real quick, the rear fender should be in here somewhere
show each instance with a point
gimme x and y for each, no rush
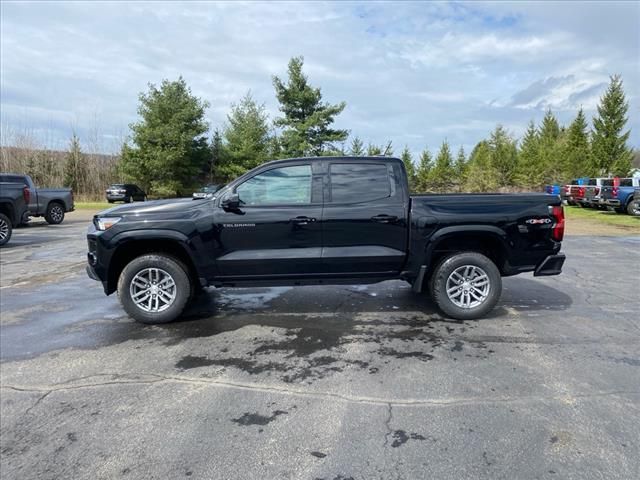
(483, 233)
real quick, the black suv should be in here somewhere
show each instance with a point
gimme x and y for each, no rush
(125, 192)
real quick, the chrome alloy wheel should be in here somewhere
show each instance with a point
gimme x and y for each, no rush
(468, 286)
(57, 214)
(4, 229)
(152, 290)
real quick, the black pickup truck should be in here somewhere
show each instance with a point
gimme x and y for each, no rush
(325, 220)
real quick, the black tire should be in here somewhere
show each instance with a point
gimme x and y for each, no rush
(54, 214)
(170, 266)
(110, 201)
(128, 199)
(632, 207)
(438, 285)
(6, 229)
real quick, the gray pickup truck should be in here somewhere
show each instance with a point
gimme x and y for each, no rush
(50, 203)
(14, 198)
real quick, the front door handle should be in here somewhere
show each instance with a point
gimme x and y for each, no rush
(385, 218)
(302, 220)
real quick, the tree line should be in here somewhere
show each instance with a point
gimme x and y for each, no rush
(171, 149)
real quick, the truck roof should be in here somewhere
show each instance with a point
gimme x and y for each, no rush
(337, 157)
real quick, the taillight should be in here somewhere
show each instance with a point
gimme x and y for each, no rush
(581, 191)
(558, 229)
(26, 193)
(597, 191)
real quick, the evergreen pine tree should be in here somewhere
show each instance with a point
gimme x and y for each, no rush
(170, 149)
(75, 167)
(504, 156)
(246, 139)
(307, 120)
(611, 154)
(529, 172)
(424, 171)
(441, 177)
(409, 167)
(357, 148)
(549, 161)
(481, 174)
(576, 156)
(460, 167)
(373, 150)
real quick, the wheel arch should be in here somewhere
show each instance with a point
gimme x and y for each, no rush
(487, 240)
(59, 201)
(9, 211)
(135, 246)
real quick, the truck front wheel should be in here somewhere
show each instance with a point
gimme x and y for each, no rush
(154, 288)
(466, 285)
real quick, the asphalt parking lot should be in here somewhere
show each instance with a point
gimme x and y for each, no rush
(361, 382)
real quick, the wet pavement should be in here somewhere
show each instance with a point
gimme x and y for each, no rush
(319, 382)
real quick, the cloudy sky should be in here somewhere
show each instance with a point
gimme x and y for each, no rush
(411, 72)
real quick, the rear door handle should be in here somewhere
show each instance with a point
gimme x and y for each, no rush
(302, 220)
(385, 218)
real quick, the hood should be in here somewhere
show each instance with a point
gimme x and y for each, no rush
(168, 206)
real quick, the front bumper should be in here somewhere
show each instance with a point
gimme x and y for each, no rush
(612, 202)
(551, 265)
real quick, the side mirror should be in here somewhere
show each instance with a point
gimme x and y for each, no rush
(232, 202)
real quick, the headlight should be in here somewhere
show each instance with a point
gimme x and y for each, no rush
(104, 223)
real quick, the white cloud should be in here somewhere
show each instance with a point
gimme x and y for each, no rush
(413, 73)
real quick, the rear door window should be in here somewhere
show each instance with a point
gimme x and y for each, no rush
(626, 182)
(358, 182)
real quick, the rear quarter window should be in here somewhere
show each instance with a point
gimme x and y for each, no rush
(626, 182)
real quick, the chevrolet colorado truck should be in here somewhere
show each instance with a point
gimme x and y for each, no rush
(14, 198)
(325, 220)
(50, 203)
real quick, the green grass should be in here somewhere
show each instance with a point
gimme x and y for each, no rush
(92, 205)
(602, 216)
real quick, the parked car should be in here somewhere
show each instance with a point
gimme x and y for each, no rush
(565, 192)
(621, 194)
(325, 220)
(576, 195)
(591, 197)
(125, 192)
(14, 204)
(206, 191)
(50, 203)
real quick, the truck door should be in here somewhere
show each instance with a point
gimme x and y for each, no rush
(276, 231)
(364, 217)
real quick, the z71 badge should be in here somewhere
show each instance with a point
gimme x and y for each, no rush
(538, 221)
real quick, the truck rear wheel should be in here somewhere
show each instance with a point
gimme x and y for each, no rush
(54, 214)
(633, 207)
(466, 285)
(5, 229)
(154, 288)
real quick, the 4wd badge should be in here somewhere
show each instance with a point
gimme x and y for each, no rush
(538, 221)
